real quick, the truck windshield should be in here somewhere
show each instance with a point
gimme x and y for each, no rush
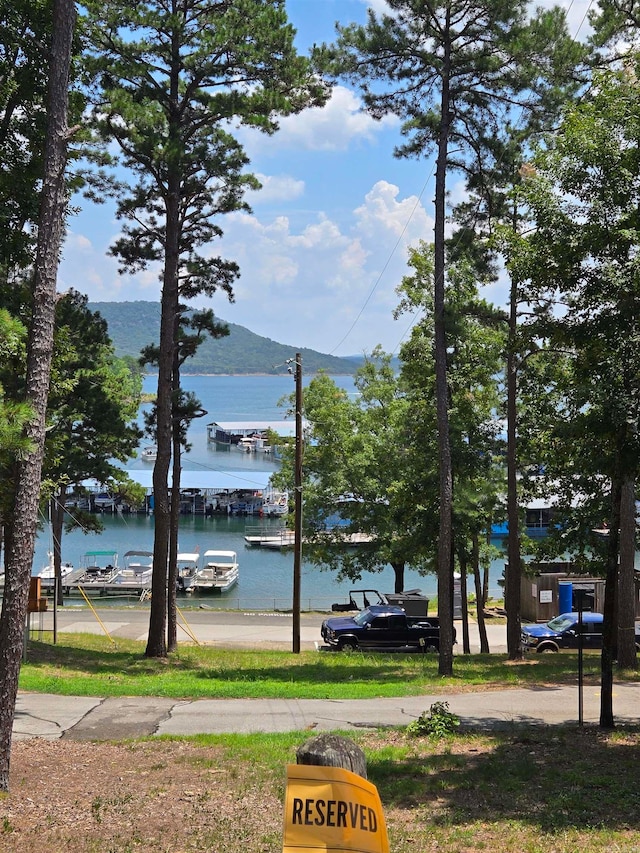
(560, 623)
(363, 618)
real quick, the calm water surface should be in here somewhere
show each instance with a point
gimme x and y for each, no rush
(265, 575)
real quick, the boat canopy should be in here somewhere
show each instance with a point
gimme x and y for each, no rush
(246, 428)
(209, 480)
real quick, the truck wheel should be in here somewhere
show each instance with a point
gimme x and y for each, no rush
(546, 647)
(348, 645)
(430, 648)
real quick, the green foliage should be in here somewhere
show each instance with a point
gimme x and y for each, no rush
(169, 84)
(355, 472)
(581, 193)
(475, 338)
(14, 414)
(438, 722)
(25, 28)
(93, 402)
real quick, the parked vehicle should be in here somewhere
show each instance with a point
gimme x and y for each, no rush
(359, 599)
(382, 627)
(411, 601)
(563, 632)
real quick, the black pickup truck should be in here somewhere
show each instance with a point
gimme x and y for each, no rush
(382, 627)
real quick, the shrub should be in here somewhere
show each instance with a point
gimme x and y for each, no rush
(438, 722)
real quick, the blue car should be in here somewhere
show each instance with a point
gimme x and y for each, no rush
(563, 632)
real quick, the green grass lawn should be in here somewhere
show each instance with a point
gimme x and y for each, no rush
(88, 665)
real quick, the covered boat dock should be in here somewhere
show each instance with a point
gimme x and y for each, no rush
(203, 492)
(228, 434)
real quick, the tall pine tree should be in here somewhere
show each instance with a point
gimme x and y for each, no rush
(172, 77)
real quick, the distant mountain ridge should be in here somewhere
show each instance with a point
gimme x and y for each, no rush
(134, 325)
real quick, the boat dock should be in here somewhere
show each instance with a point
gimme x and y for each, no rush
(249, 436)
(265, 537)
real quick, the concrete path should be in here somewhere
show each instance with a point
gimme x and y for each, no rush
(81, 718)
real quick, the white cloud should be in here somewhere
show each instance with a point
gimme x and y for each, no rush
(89, 269)
(406, 218)
(319, 284)
(275, 188)
(80, 243)
(333, 127)
(380, 7)
(309, 286)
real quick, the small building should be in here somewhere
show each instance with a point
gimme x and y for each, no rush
(552, 590)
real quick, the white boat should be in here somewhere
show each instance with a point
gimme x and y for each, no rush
(47, 574)
(255, 443)
(149, 454)
(136, 574)
(275, 503)
(188, 565)
(219, 572)
(103, 500)
(97, 568)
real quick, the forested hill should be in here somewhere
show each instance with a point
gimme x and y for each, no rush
(134, 325)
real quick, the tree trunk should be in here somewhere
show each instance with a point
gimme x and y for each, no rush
(445, 563)
(480, 604)
(513, 580)
(40, 349)
(156, 642)
(485, 584)
(464, 603)
(329, 750)
(626, 586)
(610, 604)
(172, 573)
(169, 319)
(398, 575)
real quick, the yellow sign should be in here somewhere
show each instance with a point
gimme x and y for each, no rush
(332, 810)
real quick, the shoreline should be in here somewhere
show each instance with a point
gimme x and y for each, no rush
(257, 375)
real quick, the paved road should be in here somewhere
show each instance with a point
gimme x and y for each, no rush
(87, 718)
(266, 629)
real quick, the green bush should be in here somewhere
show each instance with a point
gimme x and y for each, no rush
(438, 722)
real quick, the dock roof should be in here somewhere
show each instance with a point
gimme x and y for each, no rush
(282, 428)
(211, 480)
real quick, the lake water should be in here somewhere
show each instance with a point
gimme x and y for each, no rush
(266, 576)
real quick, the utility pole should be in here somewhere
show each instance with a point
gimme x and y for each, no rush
(297, 541)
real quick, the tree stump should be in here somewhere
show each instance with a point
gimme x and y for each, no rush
(333, 751)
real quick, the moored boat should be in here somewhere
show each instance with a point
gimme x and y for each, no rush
(219, 572)
(275, 503)
(188, 565)
(47, 572)
(97, 569)
(136, 574)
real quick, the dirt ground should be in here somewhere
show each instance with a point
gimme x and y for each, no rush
(154, 796)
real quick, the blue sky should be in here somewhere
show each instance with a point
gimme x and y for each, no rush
(326, 243)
